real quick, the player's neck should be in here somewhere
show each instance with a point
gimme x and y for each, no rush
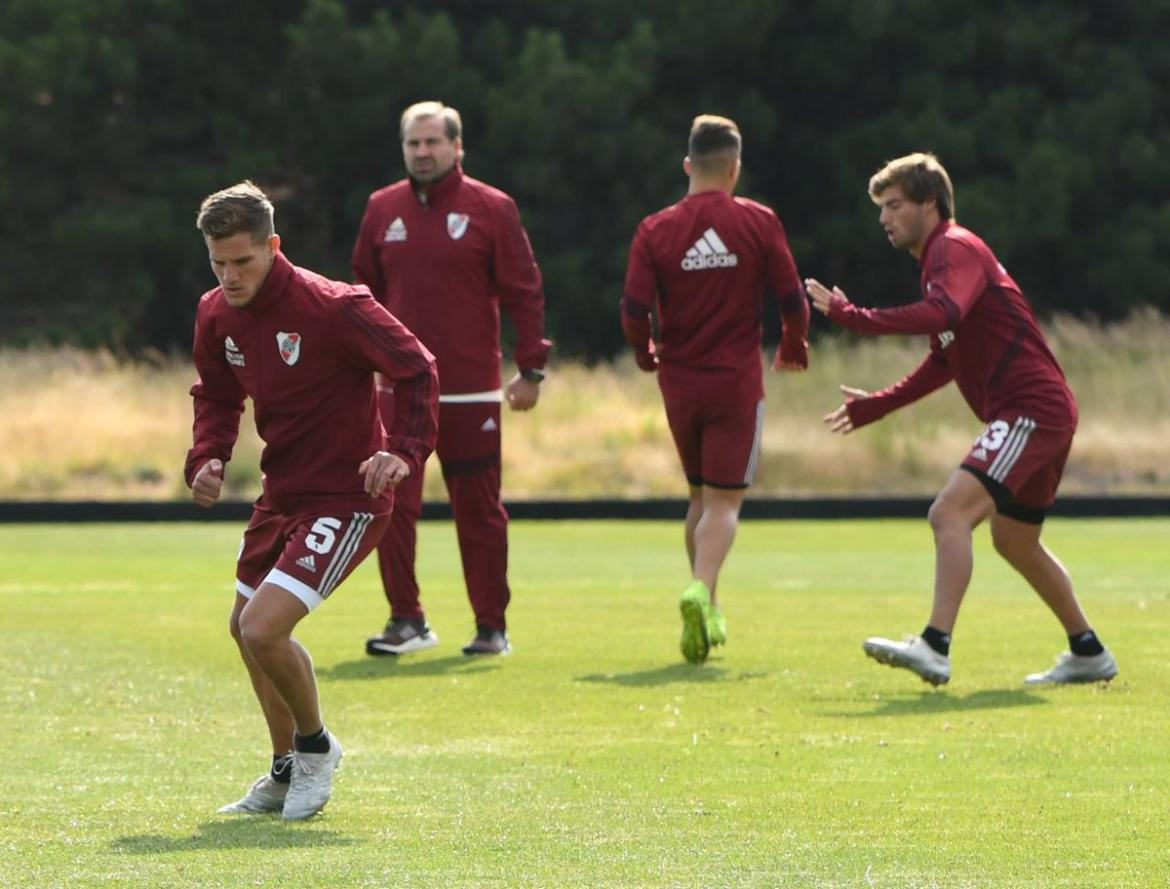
(932, 223)
(700, 186)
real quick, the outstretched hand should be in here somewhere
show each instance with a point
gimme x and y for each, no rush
(822, 297)
(383, 470)
(839, 420)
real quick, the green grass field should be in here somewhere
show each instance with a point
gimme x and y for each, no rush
(592, 756)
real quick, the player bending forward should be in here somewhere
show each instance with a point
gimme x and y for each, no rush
(984, 336)
(305, 349)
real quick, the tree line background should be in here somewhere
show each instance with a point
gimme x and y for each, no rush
(118, 117)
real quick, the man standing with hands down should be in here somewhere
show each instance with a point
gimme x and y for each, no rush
(305, 349)
(443, 251)
(984, 336)
(704, 264)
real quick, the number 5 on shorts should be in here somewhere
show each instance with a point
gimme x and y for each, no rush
(323, 534)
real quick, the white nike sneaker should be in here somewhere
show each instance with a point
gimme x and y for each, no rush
(265, 795)
(312, 781)
(1077, 668)
(914, 654)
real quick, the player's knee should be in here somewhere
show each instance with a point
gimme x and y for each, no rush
(941, 515)
(256, 634)
(945, 517)
(234, 628)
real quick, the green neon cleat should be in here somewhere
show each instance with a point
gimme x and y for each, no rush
(695, 608)
(716, 626)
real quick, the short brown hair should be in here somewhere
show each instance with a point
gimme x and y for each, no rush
(241, 208)
(452, 122)
(714, 141)
(921, 177)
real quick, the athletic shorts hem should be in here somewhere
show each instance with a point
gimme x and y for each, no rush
(309, 596)
(1005, 503)
(736, 486)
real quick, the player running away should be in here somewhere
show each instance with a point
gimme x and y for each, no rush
(704, 264)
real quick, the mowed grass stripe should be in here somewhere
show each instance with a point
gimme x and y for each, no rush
(592, 755)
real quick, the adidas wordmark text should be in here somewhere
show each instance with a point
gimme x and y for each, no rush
(709, 252)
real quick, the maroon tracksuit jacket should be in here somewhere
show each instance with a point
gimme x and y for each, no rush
(706, 263)
(444, 266)
(305, 349)
(983, 335)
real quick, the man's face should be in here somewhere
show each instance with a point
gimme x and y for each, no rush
(428, 152)
(907, 224)
(241, 265)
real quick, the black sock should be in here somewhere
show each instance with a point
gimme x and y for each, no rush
(281, 767)
(318, 742)
(1085, 644)
(938, 640)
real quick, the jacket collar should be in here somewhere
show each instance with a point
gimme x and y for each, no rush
(274, 285)
(939, 229)
(443, 190)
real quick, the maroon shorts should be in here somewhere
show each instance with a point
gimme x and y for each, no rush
(718, 443)
(1020, 463)
(306, 553)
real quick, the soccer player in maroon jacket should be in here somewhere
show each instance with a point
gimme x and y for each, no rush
(306, 350)
(704, 265)
(984, 336)
(443, 251)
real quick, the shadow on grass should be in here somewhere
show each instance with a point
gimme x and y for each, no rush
(390, 666)
(679, 672)
(256, 832)
(945, 702)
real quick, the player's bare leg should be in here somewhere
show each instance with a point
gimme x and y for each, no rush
(712, 517)
(266, 626)
(715, 532)
(1088, 660)
(1019, 543)
(959, 507)
(268, 792)
(694, 513)
(276, 713)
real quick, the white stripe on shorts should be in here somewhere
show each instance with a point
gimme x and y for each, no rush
(244, 590)
(302, 591)
(750, 475)
(1017, 439)
(345, 550)
(496, 395)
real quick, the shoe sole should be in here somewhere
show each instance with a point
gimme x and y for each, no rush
(894, 659)
(418, 643)
(234, 809)
(472, 652)
(695, 644)
(1088, 680)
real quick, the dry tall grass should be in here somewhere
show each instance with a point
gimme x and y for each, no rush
(82, 425)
